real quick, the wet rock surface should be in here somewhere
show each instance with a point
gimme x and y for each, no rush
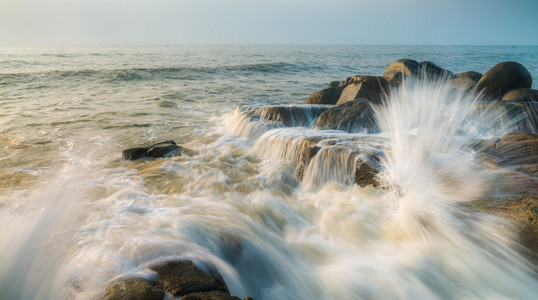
(502, 78)
(180, 278)
(184, 277)
(157, 150)
(133, 289)
(326, 96)
(400, 69)
(373, 88)
(353, 116)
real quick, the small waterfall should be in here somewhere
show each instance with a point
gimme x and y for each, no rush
(253, 121)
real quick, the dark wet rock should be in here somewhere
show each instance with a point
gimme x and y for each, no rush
(290, 116)
(399, 69)
(522, 211)
(466, 81)
(502, 78)
(329, 95)
(161, 149)
(333, 84)
(366, 172)
(373, 88)
(353, 116)
(305, 156)
(213, 295)
(434, 72)
(519, 151)
(184, 277)
(133, 289)
(521, 95)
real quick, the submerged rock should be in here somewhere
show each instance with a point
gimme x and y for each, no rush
(502, 78)
(353, 116)
(184, 277)
(400, 69)
(329, 95)
(373, 88)
(161, 149)
(133, 289)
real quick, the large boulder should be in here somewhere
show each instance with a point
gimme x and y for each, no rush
(161, 149)
(353, 116)
(502, 78)
(373, 88)
(466, 81)
(432, 71)
(525, 95)
(329, 95)
(183, 277)
(133, 289)
(400, 69)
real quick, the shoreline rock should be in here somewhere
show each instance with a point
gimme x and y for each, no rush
(180, 278)
(157, 150)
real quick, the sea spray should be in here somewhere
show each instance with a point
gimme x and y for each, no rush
(37, 235)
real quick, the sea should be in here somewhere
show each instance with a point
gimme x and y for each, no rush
(74, 215)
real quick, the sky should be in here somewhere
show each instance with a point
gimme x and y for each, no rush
(318, 22)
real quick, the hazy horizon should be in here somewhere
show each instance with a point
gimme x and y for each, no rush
(264, 22)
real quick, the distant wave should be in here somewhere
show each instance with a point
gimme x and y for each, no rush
(185, 73)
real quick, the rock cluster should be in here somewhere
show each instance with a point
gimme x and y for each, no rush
(348, 106)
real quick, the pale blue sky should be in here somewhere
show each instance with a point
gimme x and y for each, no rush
(422, 22)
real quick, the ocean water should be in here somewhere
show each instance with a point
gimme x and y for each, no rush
(74, 215)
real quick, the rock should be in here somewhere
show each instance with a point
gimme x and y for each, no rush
(432, 71)
(521, 95)
(366, 172)
(305, 156)
(514, 116)
(395, 73)
(213, 295)
(329, 95)
(516, 150)
(373, 88)
(353, 116)
(502, 78)
(333, 84)
(466, 81)
(161, 149)
(290, 116)
(184, 277)
(133, 289)
(522, 211)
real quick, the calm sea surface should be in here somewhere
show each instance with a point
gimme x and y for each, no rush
(73, 215)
